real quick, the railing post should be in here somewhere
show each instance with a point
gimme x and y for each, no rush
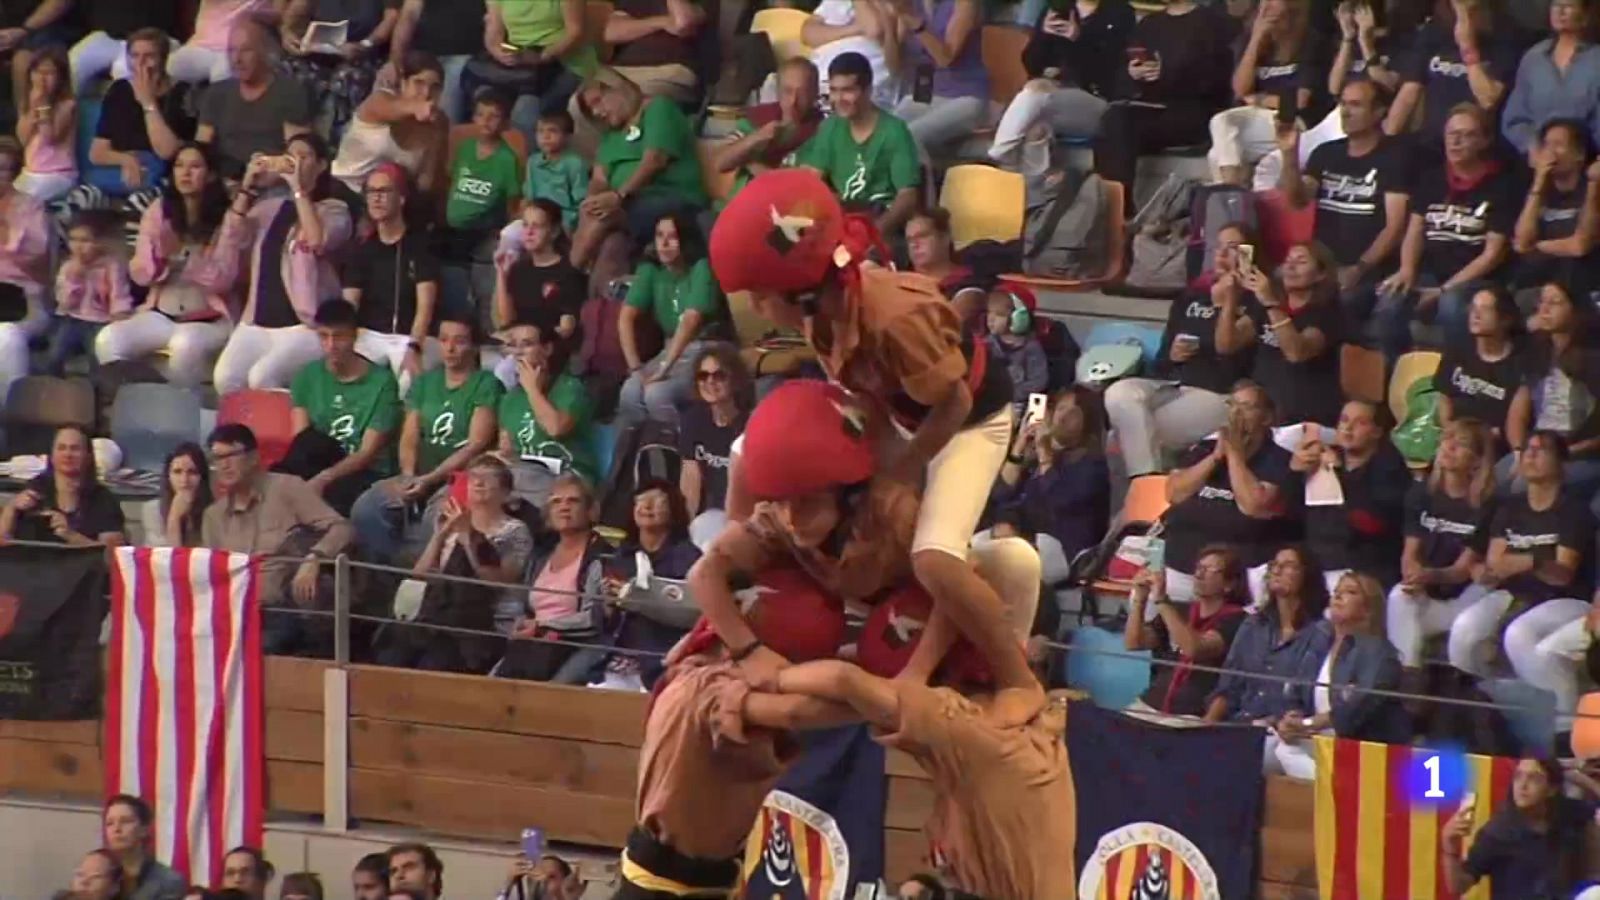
(336, 708)
(341, 609)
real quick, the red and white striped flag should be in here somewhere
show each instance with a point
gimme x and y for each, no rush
(183, 700)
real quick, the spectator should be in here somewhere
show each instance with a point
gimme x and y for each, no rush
(1333, 694)
(346, 411)
(473, 537)
(656, 43)
(1538, 568)
(535, 50)
(1200, 633)
(1372, 39)
(1177, 79)
(1055, 489)
(657, 545)
(338, 80)
(1276, 76)
(405, 127)
(675, 286)
(1073, 60)
(771, 135)
(145, 119)
(563, 601)
(369, 880)
(1227, 489)
(646, 167)
(555, 172)
(1459, 58)
(1012, 342)
(416, 867)
(1188, 398)
(450, 30)
(921, 886)
(449, 420)
(126, 834)
(300, 886)
(391, 278)
(1479, 381)
(539, 284)
(173, 519)
(1294, 323)
(1462, 215)
(1558, 78)
(724, 395)
(91, 292)
(245, 869)
(879, 173)
(943, 48)
(1560, 392)
(24, 265)
(182, 256)
(1532, 844)
(932, 252)
(485, 178)
(211, 54)
(293, 241)
(114, 26)
(254, 112)
(1362, 531)
(1447, 522)
(1555, 235)
(66, 503)
(28, 27)
(1271, 643)
(545, 415)
(869, 29)
(98, 877)
(1361, 190)
(273, 514)
(48, 129)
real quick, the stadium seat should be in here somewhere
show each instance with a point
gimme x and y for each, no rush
(149, 421)
(985, 203)
(267, 413)
(1145, 335)
(594, 24)
(782, 27)
(1407, 369)
(1361, 373)
(1281, 226)
(39, 404)
(1117, 244)
(1099, 664)
(719, 185)
(88, 124)
(1145, 504)
(1002, 56)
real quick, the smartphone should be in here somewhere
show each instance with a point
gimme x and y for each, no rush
(533, 844)
(1155, 557)
(1037, 403)
(1247, 257)
(1187, 340)
(458, 489)
(1139, 55)
(922, 86)
(510, 48)
(1288, 107)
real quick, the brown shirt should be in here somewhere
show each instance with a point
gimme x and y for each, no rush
(1005, 813)
(282, 516)
(877, 549)
(703, 773)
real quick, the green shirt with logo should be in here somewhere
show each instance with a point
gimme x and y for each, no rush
(481, 188)
(535, 24)
(667, 295)
(528, 437)
(347, 410)
(663, 127)
(866, 174)
(563, 180)
(445, 413)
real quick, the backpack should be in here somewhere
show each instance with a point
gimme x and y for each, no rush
(599, 361)
(1061, 351)
(1216, 206)
(1064, 234)
(1161, 238)
(645, 452)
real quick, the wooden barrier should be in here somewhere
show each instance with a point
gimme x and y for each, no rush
(472, 757)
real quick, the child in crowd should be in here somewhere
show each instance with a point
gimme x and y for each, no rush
(1012, 340)
(556, 173)
(47, 129)
(484, 175)
(91, 290)
(539, 284)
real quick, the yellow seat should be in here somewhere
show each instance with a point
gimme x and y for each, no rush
(985, 203)
(782, 28)
(1407, 369)
(1002, 56)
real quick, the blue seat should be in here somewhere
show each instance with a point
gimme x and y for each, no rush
(149, 421)
(1099, 664)
(88, 124)
(603, 437)
(1148, 337)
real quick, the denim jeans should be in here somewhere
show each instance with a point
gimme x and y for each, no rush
(70, 337)
(659, 400)
(109, 178)
(387, 528)
(1394, 312)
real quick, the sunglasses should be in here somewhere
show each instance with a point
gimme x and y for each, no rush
(711, 375)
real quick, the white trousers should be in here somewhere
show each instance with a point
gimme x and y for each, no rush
(1533, 659)
(191, 347)
(1065, 111)
(14, 338)
(1241, 136)
(1291, 758)
(263, 358)
(1151, 416)
(198, 65)
(46, 187)
(1413, 618)
(390, 349)
(95, 55)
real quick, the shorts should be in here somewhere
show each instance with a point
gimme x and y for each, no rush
(653, 871)
(951, 507)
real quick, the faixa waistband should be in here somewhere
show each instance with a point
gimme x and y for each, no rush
(649, 864)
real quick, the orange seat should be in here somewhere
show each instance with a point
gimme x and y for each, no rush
(1281, 225)
(1116, 259)
(1146, 502)
(1361, 374)
(267, 413)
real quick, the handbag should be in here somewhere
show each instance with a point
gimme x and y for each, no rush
(1136, 553)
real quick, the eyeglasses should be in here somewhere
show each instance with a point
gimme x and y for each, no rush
(711, 375)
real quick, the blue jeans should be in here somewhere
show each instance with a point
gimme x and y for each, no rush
(109, 178)
(1394, 312)
(453, 100)
(68, 338)
(386, 527)
(659, 400)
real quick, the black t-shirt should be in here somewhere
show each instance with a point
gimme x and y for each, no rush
(1093, 60)
(1363, 533)
(1350, 191)
(98, 512)
(1194, 316)
(1479, 389)
(450, 27)
(1196, 58)
(1180, 690)
(120, 18)
(1524, 864)
(700, 439)
(1567, 523)
(1457, 222)
(1435, 62)
(1302, 391)
(15, 12)
(1213, 516)
(1445, 526)
(544, 294)
(387, 276)
(1558, 219)
(122, 118)
(273, 307)
(1307, 69)
(1565, 393)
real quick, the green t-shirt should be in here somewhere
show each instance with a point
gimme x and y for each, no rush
(481, 189)
(529, 439)
(668, 295)
(868, 174)
(663, 127)
(446, 412)
(347, 410)
(563, 181)
(540, 23)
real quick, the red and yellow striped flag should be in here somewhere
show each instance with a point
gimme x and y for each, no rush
(1372, 843)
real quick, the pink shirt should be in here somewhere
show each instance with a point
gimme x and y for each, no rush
(93, 293)
(214, 270)
(24, 243)
(554, 592)
(308, 272)
(46, 157)
(216, 19)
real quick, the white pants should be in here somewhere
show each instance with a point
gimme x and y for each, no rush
(191, 347)
(1413, 618)
(1270, 168)
(390, 349)
(14, 338)
(1011, 566)
(198, 65)
(1151, 416)
(261, 358)
(945, 121)
(957, 488)
(46, 187)
(1525, 643)
(95, 55)
(1065, 111)
(1291, 758)
(1241, 136)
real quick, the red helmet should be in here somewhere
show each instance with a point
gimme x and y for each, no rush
(790, 614)
(777, 234)
(895, 626)
(806, 436)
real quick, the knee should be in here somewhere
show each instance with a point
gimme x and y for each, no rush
(1123, 397)
(934, 568)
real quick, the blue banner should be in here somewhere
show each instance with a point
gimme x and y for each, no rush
(820, 834)
(1162, 811)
